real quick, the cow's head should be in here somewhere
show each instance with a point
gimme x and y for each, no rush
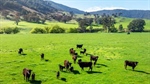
(80, 60)
(136, 63)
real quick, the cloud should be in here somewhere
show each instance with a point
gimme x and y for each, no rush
(96, 8)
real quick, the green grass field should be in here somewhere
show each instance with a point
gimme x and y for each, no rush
(112, 50)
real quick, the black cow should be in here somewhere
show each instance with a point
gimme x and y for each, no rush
(61, 67)
(58, 74)
(133, 64)
(26, 72)
(94, 58)
(85, 64)
(42, 56)
(82, 52)
(71, 69)
(74, 57)
(67, 64)
(33, 76)
(20, 51)
(79, 45)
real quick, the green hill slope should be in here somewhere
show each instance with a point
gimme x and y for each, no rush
(27, 26)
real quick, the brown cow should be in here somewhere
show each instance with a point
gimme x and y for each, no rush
(85, 64)
(67, 64)
(26, 73)
(74, 57)
(94, 58)
(133, 64)
(72, 51)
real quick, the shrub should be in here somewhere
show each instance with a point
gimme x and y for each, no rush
(73, 30)
(57, 29)
(113, 29)
(146, 30)
(8, 30)
(120, 29)
(47, 29)
(15, 30)
(38, 30)
(1, 30)
(96, 30)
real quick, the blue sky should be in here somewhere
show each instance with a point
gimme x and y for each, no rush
(94, 5)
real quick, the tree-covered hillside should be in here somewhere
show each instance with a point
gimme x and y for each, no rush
(126, 13)
(40, 6)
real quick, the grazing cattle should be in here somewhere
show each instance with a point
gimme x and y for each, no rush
(67, 64)
(72, 51)
(74, 57)
(26, 73)
(42, 56)
(85, 64)
(20, 51)
(79, 45)
(61, 67)
(58, 74)
(130, 63)
(33, 76)
(94, 58)
(82, 52)
(71, 69)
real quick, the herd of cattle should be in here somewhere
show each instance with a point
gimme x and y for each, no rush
(67, 64)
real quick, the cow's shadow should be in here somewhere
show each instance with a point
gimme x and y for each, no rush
(92, 72)
(79, 56)
(35, 82)
(47, 60)
(141, 71)
(76, 72)
(88, 54)
(100, 65)
(23, 54)
(64, 79)
(65, 71)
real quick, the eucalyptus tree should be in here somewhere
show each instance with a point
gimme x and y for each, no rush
(108, 22)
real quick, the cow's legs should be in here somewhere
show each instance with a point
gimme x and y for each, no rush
(82, 68)
(133, 68)
(90, 68)
(125, 66)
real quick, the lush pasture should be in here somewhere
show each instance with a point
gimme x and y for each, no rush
(112, 50)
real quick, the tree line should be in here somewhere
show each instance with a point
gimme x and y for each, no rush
(85, 23)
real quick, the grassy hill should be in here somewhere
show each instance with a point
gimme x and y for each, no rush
(26, 26)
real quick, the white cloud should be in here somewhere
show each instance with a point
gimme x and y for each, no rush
(96, 8)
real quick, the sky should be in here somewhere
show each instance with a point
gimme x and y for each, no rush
(95, 5)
